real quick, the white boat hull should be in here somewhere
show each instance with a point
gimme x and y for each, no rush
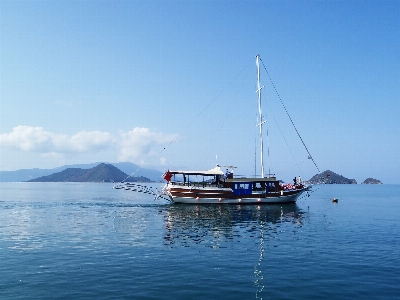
(253, 199)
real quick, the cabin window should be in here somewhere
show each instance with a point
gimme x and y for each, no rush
(242, 188)
(270, 187)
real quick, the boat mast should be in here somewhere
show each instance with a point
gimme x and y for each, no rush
(260, 118)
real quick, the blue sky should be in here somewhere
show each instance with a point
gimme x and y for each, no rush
(171, 84)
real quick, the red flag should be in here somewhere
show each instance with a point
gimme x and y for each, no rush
(167, 176)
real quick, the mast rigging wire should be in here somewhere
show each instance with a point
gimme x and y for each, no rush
(290, 118)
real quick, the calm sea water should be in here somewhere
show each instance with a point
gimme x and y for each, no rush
(88, 241)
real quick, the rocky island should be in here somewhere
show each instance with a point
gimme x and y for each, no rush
(371, 181)
(329, 177)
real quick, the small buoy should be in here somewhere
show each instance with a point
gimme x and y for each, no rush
(198, 198)
(220, 199)
(335, 200)
(259, 200)
(240, 200)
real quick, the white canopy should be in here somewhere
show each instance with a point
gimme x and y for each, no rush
(212, 172)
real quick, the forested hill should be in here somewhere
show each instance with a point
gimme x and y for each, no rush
(127, 167)
(330, 177)
(101, 173)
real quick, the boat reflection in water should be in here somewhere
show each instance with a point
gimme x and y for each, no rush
(232, 228)
(211, 224)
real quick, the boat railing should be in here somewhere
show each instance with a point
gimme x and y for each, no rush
(199, 184)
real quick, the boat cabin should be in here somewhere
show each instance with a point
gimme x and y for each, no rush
(216, 178)
(246, 186)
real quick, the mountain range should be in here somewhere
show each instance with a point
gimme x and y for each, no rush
(126, 167)
(119, 171)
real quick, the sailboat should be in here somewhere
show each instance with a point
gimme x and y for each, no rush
(214, 186)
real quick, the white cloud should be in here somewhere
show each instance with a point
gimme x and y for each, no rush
(36, 139)
(52, 155)
(141, 143)
(138, 145)
(27, 138)
(85, 141)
